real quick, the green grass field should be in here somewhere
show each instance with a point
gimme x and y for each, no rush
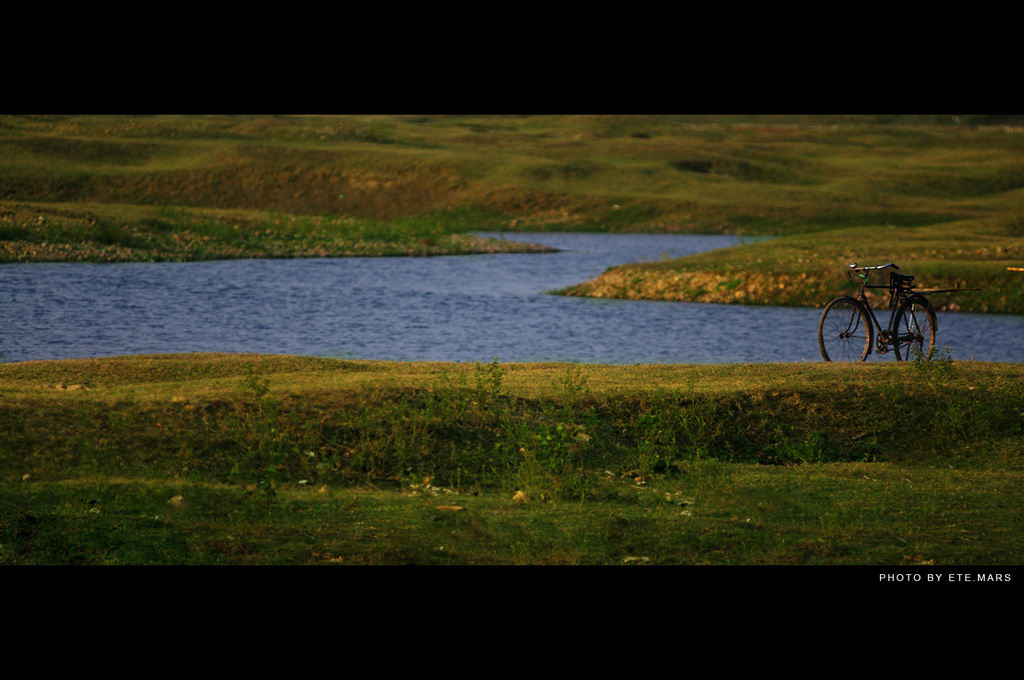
(245, 459)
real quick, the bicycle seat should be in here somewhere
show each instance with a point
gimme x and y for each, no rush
(901, 279)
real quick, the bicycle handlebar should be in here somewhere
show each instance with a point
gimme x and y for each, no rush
(854, 267)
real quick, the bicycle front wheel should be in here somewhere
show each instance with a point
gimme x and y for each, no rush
(915, 330)
(844, 332)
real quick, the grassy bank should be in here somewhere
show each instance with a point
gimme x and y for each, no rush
(809, 270)
(246, 459)
(130, 233)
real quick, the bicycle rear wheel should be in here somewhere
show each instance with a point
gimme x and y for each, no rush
(915, 330)
(844, 332)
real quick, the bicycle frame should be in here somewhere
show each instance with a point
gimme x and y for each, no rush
(899, 290)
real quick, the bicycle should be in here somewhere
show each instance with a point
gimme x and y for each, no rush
(846, 331)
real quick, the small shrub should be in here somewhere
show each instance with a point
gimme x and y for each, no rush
(692, 165)
(942, 366)
(488, 382)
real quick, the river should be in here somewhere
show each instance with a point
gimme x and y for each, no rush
(459, 308)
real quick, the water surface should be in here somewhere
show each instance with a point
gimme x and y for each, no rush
(459, 308)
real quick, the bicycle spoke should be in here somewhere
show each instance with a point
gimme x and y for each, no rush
(843, 334)
(915, 331)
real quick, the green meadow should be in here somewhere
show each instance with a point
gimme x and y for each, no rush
(247, 459)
